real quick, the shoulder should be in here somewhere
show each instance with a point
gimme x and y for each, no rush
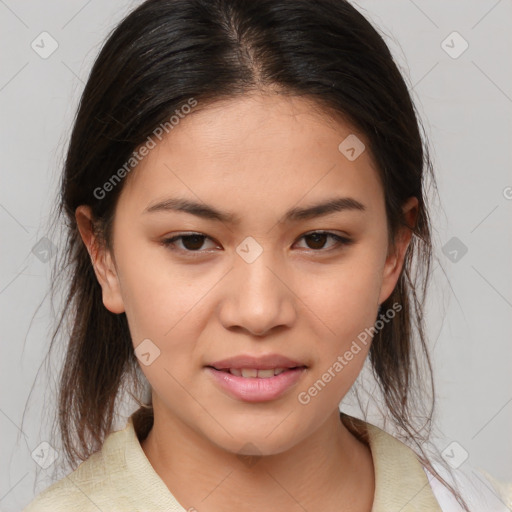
(400, 474)
(91, 486)
(118, 478)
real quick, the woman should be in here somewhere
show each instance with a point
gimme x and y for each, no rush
(244, 191)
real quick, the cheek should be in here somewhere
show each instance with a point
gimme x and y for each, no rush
(164, 316)
(347, 304)
(348, 299)
(158, 296)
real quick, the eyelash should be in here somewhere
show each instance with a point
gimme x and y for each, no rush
(169, 242)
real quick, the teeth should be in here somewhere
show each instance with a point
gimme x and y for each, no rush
(253, 372)
(265, 374)
(249, 372)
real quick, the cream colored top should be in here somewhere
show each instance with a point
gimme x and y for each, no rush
(120, 478)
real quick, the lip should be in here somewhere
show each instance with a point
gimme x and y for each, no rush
(264, 362)
(256, 389)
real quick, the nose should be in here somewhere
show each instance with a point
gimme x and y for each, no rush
(258, 297)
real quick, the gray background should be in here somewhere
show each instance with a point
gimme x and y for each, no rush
(466, 103)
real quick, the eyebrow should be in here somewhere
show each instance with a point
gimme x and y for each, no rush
(296, 214)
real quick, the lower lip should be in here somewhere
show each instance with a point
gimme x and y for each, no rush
(256, 389)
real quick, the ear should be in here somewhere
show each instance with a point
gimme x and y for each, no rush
(396, 254)
(102, 261)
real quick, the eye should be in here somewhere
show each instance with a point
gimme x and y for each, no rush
(316, 240)
(192, 242)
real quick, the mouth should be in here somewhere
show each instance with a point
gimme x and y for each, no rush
(256, 384)
(256, 373)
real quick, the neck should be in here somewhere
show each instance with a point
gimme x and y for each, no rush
(328, 469)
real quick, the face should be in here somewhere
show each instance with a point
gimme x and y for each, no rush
(255, 272)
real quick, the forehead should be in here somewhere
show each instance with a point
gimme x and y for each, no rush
(258, 150)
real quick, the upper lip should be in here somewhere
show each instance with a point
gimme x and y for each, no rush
(264, 362)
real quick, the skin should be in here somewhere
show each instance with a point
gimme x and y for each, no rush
(256, 156)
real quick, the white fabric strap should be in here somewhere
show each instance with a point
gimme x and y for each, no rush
(481, 492)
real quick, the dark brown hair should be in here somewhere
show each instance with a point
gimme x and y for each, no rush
(168, 51)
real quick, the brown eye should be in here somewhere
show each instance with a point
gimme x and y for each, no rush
(317, 240)
(190, 242)
(193, 242)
